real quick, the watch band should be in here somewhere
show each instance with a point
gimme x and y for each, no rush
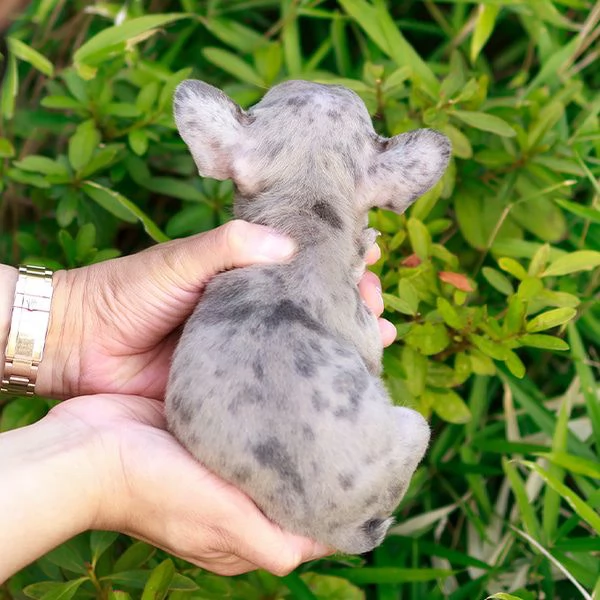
(28, 329)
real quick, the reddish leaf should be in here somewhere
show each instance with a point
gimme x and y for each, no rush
(458, 280)
(411, 261)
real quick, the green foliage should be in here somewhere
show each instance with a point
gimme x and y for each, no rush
(482, 277)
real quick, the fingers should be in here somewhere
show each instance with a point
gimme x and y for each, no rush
(235, 244)
(278, 552)
(388, 332)
(370, 290)
(373, 254)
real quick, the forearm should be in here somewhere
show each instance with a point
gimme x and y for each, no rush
(8, 282)
(48, 494)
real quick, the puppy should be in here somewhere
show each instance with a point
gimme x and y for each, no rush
(275, 382)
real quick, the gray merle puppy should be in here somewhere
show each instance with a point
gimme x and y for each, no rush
(275, 383)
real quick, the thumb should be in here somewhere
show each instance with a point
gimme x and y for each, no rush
(236, 244)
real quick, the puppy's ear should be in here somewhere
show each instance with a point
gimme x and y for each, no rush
(406, 166)
(211, 124)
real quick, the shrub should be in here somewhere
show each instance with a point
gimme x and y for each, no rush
(491, 277)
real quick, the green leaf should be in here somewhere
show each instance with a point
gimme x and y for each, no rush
(53, 590)
(515, 315)
(66, 209)
(544, 342)
(134, 557)
(158, 583)
(398, 304)
(515, 364)
(485, 122)
(582, 508)
(550, 319)
(380, 27)
(234, 34)
(498, 280)
(61, 102)
(234, 65)
(415, 367)
(29, 55)
(448, 405)
(504, 596)
(449, 314)
(41, 164)
(121, 109)
(83, 144)
(268, 60)
(492, 348)
(585, 212)
(428, 338)
(10, 88)
(147, 97)
(381, 575)
(7, 150)
(22, 412)
(68, 557)
(530, 288)
(486, 19)
(581, 260)
(510, 265)
(408, 293)
(539, 260)
(100, 541)
(420, 238)
(589, 387)
(526, 509)
(575, 464)
(332, 588)
(125, 32)
(138, 141)
(122, 208)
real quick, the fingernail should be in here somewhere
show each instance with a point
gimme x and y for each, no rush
(275, 246)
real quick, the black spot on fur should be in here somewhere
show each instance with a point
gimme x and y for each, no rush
(297, 101)
(334, 114)
(242, 475)
(342, 351)
(275, 149)
(185, 413)
(273, 455)
(346, 481)
(372, 529)
(230, 303)
(176, 402)
(351, 384)
(317, 348)
(319, 403)
(287, 312)
(308, 433)
(258, 369)
(325, 212)
(304, 360)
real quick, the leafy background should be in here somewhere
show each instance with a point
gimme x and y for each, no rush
(492, 277)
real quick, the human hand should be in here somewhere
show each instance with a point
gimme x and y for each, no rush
(107, 462)
(114, 325)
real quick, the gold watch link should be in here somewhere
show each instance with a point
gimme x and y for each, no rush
(28, 329)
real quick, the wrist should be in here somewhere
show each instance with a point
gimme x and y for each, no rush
(58, 370)
(54, 491)
(8, 284)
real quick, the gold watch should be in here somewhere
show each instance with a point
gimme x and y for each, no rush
(28, 329)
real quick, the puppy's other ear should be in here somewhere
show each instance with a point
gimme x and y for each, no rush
(211, 124)
(406, 167)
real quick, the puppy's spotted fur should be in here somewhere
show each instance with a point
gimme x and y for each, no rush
(275, 382)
